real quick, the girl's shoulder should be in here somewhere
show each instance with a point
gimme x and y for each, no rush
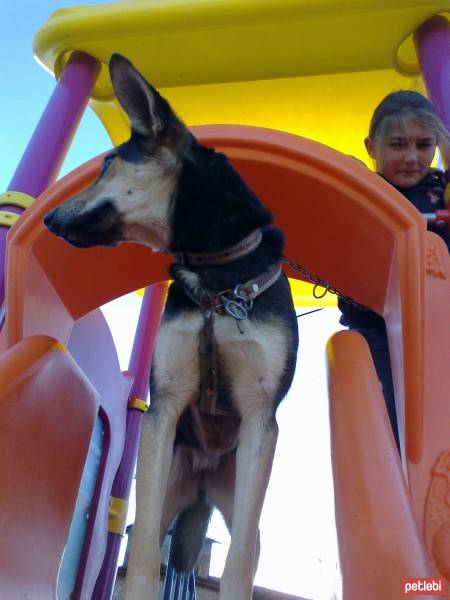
(437, 177)
(436, 180)
(440, 182)
(428, 194)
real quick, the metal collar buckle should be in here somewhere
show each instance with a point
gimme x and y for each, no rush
(235, 303)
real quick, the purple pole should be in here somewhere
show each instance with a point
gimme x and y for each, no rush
(432, 41)
(139, 367)
(51, 139)
(50, 142)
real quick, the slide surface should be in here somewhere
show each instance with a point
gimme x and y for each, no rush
(47, 413)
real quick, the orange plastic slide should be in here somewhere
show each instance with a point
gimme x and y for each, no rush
(388, 525)
(350, 228)
(47, 412)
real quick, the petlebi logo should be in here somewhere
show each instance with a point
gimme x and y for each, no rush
(423, 586)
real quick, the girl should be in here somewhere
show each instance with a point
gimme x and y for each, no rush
(404, 133)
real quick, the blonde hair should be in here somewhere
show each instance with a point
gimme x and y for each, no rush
(400, 107)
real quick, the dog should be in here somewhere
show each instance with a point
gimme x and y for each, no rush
(226, 349)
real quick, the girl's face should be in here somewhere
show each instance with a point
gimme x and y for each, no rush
(404, 156)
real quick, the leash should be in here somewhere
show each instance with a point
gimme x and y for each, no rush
(321, 283)
(309, 312)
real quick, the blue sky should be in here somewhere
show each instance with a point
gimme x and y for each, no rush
(26, 88)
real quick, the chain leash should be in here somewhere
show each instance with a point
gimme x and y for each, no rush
(321, 283)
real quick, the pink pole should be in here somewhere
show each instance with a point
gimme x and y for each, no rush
(51, 139)
(139, 367)
(432, 41)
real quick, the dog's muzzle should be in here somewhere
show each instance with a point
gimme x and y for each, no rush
(98, 226)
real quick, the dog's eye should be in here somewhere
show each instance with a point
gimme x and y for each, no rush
(106, 163)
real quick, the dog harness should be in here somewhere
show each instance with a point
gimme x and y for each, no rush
(236, 302)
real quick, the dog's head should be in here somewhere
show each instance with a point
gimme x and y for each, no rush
(131, 198)
(161, 188)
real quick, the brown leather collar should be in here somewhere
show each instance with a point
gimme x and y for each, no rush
(216, 259)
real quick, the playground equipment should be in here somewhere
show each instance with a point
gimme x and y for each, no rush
(252, 63)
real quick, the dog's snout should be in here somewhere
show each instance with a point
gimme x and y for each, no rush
(102, 214)
(83, 225)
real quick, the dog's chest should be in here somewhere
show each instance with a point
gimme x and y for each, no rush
(240, 350)
(249, 364)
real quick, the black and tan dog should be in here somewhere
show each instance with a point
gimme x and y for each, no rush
(226, 350)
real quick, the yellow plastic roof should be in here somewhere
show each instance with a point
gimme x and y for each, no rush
(312, 67)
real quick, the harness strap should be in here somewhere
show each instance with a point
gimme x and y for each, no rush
(237, 304)
(207, 350)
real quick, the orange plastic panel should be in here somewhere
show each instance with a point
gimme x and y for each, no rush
(47, 413)
(343, 223)
(429, 480)
(379, 541)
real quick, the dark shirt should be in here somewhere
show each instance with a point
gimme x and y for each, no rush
(427, 196)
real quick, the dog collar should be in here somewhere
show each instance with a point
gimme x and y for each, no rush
(216, 259)
(238, 301)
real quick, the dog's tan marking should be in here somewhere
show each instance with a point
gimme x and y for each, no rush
(253, 364)
(176, 362)
(191, 279)
(142, 198)
(253, 467)
(182, 489)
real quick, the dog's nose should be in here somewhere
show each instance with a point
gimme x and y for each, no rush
(48, 219)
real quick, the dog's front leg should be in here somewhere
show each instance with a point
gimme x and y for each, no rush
(258, 436)
(154, 462)
(175, 378)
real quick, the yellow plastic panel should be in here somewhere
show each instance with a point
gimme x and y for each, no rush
(203, 41)
(315, 68)
(332, 109)
(303, 294)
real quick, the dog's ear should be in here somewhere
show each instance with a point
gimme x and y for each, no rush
(150, 114)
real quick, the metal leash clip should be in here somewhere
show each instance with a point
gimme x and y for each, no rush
(235, 304)
(242, 296)
(236, 309)
(238, 306)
